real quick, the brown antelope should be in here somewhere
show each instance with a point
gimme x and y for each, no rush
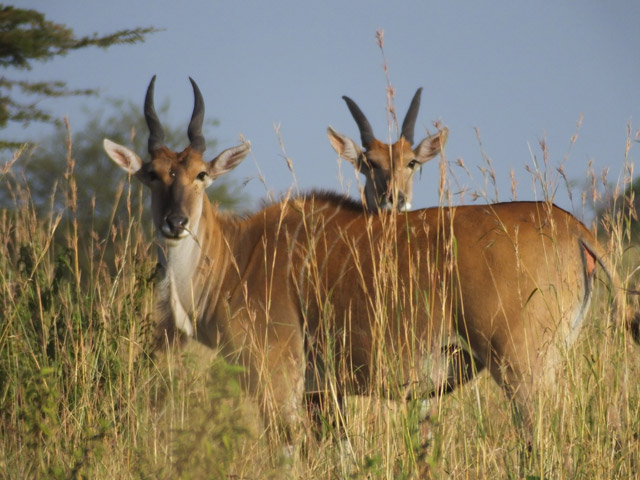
(382, 297)
(388, 169)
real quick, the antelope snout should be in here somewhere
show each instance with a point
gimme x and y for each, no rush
(398, 202)
(175, 226)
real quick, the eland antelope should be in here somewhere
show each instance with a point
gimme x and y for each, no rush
(418, 301)
(388, 169)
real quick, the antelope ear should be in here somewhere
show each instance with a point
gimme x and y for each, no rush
(126, 159)
(228, 159)
(345, 147)
(431, 146)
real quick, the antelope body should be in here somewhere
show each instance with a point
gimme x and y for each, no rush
(414, 299)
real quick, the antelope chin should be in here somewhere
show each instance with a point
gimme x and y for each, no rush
(172, 236)
(406, 207)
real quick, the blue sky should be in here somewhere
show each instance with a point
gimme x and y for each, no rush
(517, 72)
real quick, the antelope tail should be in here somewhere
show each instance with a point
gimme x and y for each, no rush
(618, 293)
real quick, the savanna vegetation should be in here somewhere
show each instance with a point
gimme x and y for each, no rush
(84, 395)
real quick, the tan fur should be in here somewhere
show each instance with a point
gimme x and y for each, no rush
(407, 301)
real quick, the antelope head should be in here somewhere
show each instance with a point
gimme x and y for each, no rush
(177, 180)
(388, 169)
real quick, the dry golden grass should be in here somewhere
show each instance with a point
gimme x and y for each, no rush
(81, 396)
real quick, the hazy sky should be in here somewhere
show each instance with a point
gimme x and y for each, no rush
(517, 71)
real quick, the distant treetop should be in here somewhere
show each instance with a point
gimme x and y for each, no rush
(26, 36)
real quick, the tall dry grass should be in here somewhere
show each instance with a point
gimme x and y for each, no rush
(82, 396)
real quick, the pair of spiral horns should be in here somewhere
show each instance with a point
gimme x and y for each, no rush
(156, 132)
(197, 141)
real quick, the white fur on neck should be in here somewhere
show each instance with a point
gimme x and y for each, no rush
(180, 316)
(181, 266)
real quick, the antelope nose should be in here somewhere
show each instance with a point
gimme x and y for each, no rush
(398, 202)
(176, 225)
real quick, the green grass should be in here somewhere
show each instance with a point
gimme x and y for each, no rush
(81, 395)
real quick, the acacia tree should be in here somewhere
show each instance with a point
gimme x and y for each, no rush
(26, 36)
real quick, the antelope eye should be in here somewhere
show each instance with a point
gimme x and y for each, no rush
(202, 176)
(412, 164)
